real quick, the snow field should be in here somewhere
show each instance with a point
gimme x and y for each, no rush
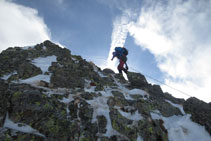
(43, 63)
(182, 128)
(21, 127)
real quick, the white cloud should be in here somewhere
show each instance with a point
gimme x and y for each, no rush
(20, 26)
(120, 25)
(118, 38)
(178, 33)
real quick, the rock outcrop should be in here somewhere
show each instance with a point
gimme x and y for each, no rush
(200, 111)
(75, 100)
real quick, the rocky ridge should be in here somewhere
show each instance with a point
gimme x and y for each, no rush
(46, 93)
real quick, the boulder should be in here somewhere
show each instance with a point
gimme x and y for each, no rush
(173, 99)
(137, 80)
(122, 124)
(200, 112)
(45, 114)
(108, 71)
(66, 79)
(27, 70)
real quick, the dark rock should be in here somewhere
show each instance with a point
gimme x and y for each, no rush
(43, 83)
(136, 97)
(27, 70)
(119, 99)
(165, 108)
(82, 112)
(200, 112)
(88, 96)
(144, 107)
(137, 79)
(13, 77)
(11, 135)
(43, 109)
(153, 130)
(10, 60)
(85, 112)
(108, 71)
(4, 101)
(120, 78)
(111, 102)
(66, 79)
(156, 90)
(47, 115)
(173, 99)
(102, 122)
(122, 124)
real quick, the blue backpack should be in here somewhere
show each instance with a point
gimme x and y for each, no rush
(120, 52)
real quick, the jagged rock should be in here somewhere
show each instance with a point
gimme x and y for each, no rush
(173, 99)
(155, 90)
(137, 79)
(111, 101)
(165, 108)
(136, 97)
(89, 96)
(4, 101)
(10, 60)
(27, 70)
(64, 109)
(13, 77)
(144, 107)
(200, 112)
(153, 130)
(82, 112)
(102, 122)
(122, 124)
(47, 115)
(120, 78)
(108, 71)
(118, 99)
(66, 79)
(43, 83)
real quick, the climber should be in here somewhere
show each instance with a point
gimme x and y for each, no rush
(121, 53)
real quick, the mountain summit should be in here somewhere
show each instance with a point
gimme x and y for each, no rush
(46, 93)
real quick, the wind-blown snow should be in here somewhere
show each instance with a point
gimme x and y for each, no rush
(139, 92)
(126, 92)
(101, 107)
(180, 107)
(88, 88)
(181, 128)
(136, 116)
(44, 62)
(5, 77)
(97, 71)
(139, 138)
(36, 79)
(67, 100)
(21, 127)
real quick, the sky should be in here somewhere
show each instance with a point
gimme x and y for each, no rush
(167, 40)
